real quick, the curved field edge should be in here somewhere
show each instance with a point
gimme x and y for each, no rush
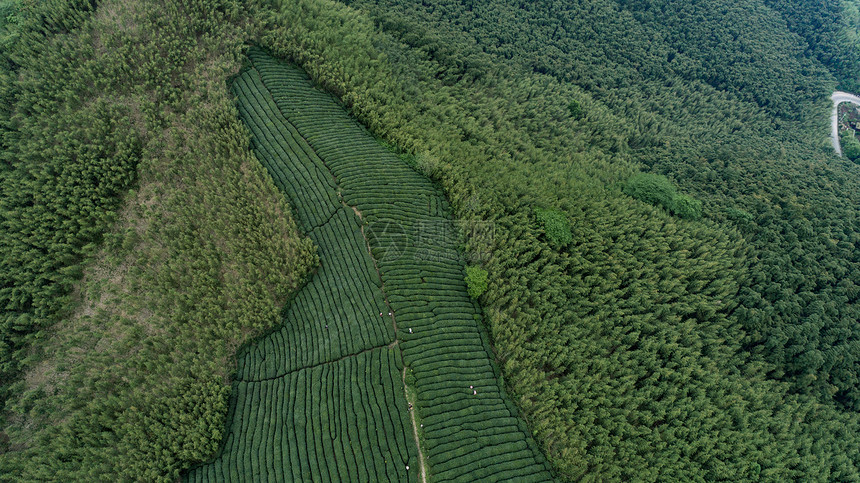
(302, 134)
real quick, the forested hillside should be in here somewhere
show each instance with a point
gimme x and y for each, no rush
(672, 276)
(831, 30)
(141, 242)
(647, 339)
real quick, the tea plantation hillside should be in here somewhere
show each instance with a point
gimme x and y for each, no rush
(665, 310)
(389, 297)
(613, 237)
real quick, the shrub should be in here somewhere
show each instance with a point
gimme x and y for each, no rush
(657, 190)
(850, 146)
(739, 215)
(687, 207)
(429, 166)
(575, 109)
(476, 281)
(651, 188)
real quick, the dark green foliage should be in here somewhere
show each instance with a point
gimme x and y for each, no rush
(738, 215)
(687, 207)
(830, 28)
(659, 191)
(652, 188)
(850, 146)
(556, 226)
(70, 153)
(575, 109)
(124, 306)
(8, 19)
(476, 281)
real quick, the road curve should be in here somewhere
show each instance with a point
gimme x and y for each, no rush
(839, 97)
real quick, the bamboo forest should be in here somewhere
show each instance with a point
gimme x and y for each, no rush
(429, 240)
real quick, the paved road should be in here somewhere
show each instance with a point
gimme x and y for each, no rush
(839, 97)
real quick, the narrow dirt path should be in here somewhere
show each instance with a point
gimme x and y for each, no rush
(421, 463)
(415, 431)
(320, 364)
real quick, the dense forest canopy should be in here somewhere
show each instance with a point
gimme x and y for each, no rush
(779, 211)
(673, 279)
(142, 243)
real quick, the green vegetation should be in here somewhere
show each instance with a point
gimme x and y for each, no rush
(850, 146)
(141, 181)
(476, 281)
(659, 191)
(831, 28)
(712, 338)
(60, 174)
(575, 109)
(8, 23)
(556, 226)
(652, 188)
(344, 183)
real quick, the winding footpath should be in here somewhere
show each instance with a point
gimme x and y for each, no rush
(839, 97)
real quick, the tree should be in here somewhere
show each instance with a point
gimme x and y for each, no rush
(476, 281)
(850, 146)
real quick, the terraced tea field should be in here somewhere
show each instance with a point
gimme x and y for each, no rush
(323, 397)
